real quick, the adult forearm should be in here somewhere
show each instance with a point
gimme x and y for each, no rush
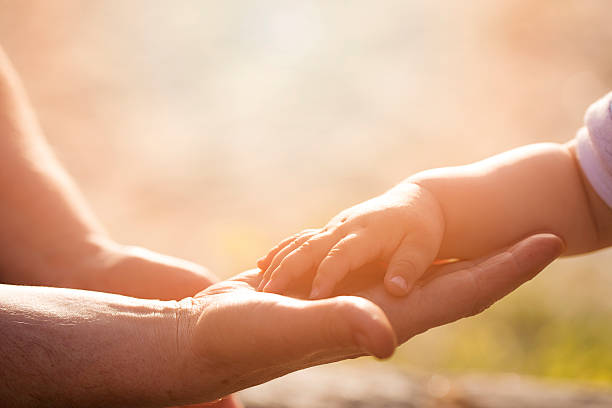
(44, 219)
(65, 347)
(497, 201)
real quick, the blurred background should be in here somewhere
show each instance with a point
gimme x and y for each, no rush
(211, 130)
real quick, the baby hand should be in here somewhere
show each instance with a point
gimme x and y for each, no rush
(403, 227)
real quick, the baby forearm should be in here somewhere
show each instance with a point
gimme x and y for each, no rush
(497, 201)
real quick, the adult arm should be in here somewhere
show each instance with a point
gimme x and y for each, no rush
(78, 348)
(65, 347)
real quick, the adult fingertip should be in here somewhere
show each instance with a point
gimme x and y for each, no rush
(537, 251)
(362, 342)
(555, 243)
(381, 343)
(373, 332)
(381, 351)
(385, 346)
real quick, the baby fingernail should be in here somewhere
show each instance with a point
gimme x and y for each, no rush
(400, 283)
(262, 285)
(315, 293)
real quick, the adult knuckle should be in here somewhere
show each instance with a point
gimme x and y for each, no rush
(512, 260)
(480, 300)
(336, 255)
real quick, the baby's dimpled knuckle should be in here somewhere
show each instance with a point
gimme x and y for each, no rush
(305, 251)
(307, 248)
(335, 259)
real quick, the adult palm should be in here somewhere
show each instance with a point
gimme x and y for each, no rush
(247, 337)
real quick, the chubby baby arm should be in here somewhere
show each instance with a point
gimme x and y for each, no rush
(402, 227)
(532, 189)
(456, 212)
(464, 212)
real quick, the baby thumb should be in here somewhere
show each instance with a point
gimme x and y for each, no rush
(407, 265)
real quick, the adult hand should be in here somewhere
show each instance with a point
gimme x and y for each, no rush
(247, 337)
(138, 272)
(462, 289)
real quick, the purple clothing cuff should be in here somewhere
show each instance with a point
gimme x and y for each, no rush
(594, 147)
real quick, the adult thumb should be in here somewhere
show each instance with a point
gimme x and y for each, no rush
(281, 334)
(344, 322)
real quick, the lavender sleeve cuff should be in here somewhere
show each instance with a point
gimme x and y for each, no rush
(594, 147)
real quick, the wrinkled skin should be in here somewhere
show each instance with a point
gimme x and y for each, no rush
(247, 337)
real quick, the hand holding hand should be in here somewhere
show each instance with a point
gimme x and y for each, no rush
(247, 337)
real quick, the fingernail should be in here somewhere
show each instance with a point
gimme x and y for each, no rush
(315, 293)
(267, 286)
(262, 285)
(399, 283)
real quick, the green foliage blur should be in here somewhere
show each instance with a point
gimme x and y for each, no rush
(557, 326)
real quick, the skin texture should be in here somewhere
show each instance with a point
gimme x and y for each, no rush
(450, 213)
(288, 334)
(68, 347)
(80, 348)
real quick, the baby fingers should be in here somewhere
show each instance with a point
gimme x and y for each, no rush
(283, 252)
(351, 252)
(264, 262)
(413, 256)
(300, 260)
